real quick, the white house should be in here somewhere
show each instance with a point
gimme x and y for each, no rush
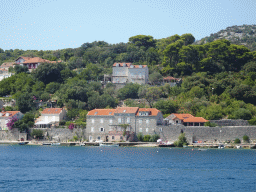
(50, 116)
(6, 116)
(128, 73)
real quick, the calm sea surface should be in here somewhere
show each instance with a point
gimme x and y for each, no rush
(56, 168)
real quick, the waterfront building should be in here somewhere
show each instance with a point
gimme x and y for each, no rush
(121, 123)
(185, 119)
(50, 117)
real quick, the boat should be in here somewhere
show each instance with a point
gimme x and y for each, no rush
(202, 149)
(238, 147)
(23, 143)
(221, 146)
(46, 144)
(82, 144)
(55, 144)
(166, 144)
(108, 145)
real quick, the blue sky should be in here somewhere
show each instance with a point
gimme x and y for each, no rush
(59, 24)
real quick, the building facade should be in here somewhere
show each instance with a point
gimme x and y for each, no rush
(120, 123)
(50, 117)
(6, 116)
(128, 73)
(185, 119)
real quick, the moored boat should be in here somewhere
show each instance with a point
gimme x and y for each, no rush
(55, 144)
(108, 145)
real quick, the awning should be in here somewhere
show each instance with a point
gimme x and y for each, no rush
(43, 123)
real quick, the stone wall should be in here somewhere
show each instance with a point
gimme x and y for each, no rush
(12, 135)
(230, 122)
(208, 134)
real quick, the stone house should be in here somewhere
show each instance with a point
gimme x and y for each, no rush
(5, 116)
(50, 117)
(128, 73)
(185, 119)
(31, 63)
(109, 124)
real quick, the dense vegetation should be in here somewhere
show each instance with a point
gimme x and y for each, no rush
(219, 78)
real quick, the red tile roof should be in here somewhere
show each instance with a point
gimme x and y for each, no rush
(25, 58)
(182, 116)
(126, 109)
(98, 112)
(170, 78)
(8, 64)
(38, 60)
(153, 111)
(52, 111)
(11, 113)
(195, 120)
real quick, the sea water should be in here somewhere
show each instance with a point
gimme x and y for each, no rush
(59, 168)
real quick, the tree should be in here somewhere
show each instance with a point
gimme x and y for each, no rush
(155, 77)
(166, 106)
(130, 90)
(20, 69)
(37, 133)
(151, 94)
(143, 40)
(24, 101)
(182, 140)
(52, 87)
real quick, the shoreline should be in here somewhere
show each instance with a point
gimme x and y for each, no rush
(133, 144)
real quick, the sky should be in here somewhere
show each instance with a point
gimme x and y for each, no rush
(60, 24)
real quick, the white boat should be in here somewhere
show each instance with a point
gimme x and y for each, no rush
(202, 149)
(55, 144)
(108, 145)
(82, 144)
(238, 147)
(221, 146)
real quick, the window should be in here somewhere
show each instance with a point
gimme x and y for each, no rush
(96, 113)
(101, 129)
(113, 137)
(177, 121)
(90, 138)
(140, 121)
(110, 121)
(119, 120)
(147, 121)
(98, 137)
(92, 120)
(101, 120)
(110, 113)
(128, 119)
(92, 129)
(140, 129)
(161, 129)
(121, 137)
(146, 129)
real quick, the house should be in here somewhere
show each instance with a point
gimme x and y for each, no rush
(31, 62)
(7, 65)
(172, 81)
(4, 74)
(50, 117)
(185, 119)
(120, 123)
(128, 73)
(5, 116)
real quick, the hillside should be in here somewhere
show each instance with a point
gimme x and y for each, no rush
(240, 35)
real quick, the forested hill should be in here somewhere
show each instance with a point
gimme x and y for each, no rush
(219, 78)
(240, 35)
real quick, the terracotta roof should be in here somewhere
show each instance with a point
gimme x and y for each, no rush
(38, 60)
(128, 65)
(153, 111)
(25, 58)
(182, 116)
(126, 109)
(170, 78)
(8, 64)
(134, 110)
(11, 113)
(195, 120)
(101, 112)
(52, 111)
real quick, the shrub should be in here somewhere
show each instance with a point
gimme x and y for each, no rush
(182, 140)
(245, 138)
(140, 137)
(237, 141)
(37, 133)
(210, 124)
(242, 114)
(62, 122)
(71, 126)
(154, 138)
(75, 138)
(252, 121)
(146, 138)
